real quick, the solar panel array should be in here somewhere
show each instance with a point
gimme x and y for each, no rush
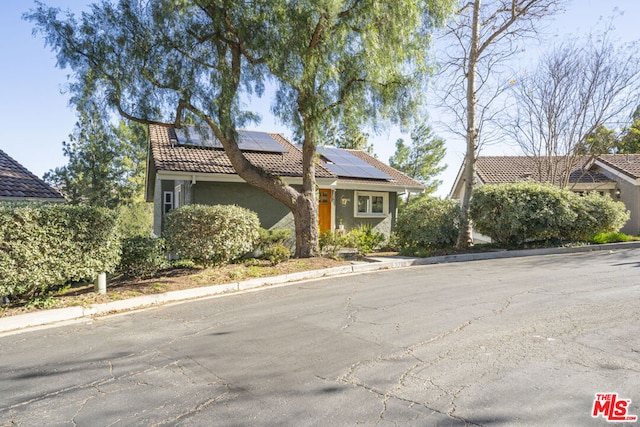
(260, 142)
(345, 164)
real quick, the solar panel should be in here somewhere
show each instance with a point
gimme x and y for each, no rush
(247, 140)
(345, 164)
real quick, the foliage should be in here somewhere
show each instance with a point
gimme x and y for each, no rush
(422, 159)
(428, 223)
(277, 253)
(46, 246)
(629, 141)
(528, 211)
(135, 219)
(276, 236)
(611, 237)
(105, 163)
(365, 239)
(602, 140)
(331, 62)
(211, 234)
(142, 256)
(331, 243)
(596, 214)
(354, 139)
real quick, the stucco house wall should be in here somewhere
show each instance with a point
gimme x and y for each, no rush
(629, 194)
(345, 208)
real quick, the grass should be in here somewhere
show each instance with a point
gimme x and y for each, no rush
(614, 237)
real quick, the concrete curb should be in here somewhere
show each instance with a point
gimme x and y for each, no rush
(14, 324)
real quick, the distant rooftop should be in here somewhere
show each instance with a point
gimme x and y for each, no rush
(17, 183)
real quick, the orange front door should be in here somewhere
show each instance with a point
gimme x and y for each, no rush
(324, 210)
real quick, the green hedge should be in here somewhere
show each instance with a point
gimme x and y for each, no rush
(142, 256)
(428, 223)
(46, 246)
(527, 211)
(211, 234)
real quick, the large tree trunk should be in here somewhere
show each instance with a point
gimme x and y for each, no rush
(465, 237)
(305, 213)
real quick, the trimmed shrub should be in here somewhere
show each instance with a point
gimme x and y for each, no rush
(277, 253)
(276, 236)
(211, 235)
(428, 223)
(596, 214)
(365, 239)
(526, 211)
(43, 247)
(142, 256)
(523, 211)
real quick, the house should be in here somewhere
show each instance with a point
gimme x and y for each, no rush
(186, 166)
(18, 184)
(615, 175)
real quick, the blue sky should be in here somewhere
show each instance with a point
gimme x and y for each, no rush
(35, 117)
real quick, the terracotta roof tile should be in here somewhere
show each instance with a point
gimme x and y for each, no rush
(628, 164)
(499, 169)
(17, 182)
(180, 158)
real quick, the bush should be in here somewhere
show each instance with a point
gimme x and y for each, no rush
(365, 239)
(135, 219)
(527, 211)
(43, 247)
(277, 253)
(211, 235)
(596, 214)
(276, 236)
(330, 243)
(428, 223)
(142, 256)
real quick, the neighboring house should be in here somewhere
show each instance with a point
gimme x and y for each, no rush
(186, 167)
(18, 184)
(615, 175)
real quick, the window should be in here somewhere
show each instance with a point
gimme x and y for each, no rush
(371, 204)
(167, 201)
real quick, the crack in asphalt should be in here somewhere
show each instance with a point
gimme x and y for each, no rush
(349, 377)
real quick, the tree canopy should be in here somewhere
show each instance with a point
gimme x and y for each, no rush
(168, 61)
(422, 159)
(105, 162)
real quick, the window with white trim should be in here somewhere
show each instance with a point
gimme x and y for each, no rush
(167, 201)
(371, 204)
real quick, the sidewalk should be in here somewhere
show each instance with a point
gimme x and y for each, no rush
(53, 317)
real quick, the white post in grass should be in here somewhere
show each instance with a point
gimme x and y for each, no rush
(101, 283)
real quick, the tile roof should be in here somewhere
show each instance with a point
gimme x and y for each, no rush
(398, 178)
(499, 169)
(180, 158)
(195, 159)
(16, 182)
(628, 164)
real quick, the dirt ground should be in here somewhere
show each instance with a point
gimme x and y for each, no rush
(119, 288)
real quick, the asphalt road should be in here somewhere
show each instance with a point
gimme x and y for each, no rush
(526, 341)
